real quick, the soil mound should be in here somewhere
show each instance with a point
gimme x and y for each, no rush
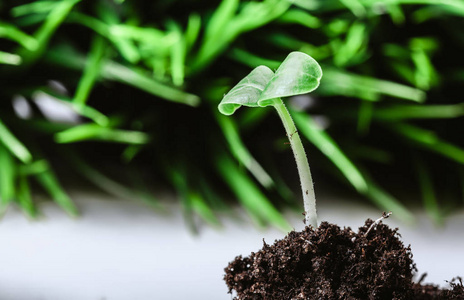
(333, 263)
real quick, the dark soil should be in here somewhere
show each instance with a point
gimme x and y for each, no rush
(333, 263)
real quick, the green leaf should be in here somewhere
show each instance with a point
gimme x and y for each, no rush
(355, 6)
(298, 74)
(200, 207)
(298, 16)
(247, 91)
(251, 16)
(222, 15)
(33, 168)
(399, 112)
(11, 32)
(142, 191)
(36, 7)
(80, 108)
(91, 71)
(330, 149)
(13, 144)
(252, 60)
(338, 82)
(88, 132)
(429, 140)
(461, 176)
(428, 193)
(52, 186)
(7, 178)
(212, 197)
(43, 35)
(366, 109)
(256, 204)
(10, 59)
(240, 151)
(130, 152)
(178, 53)
(193, 30)
(356, 37)
(109, 185)
(25, 199)
(130, 75)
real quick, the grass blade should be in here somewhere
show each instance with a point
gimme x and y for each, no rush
(366, 110)
(14, 145)
(329, 148)
(10, 59)
(128, 75)
(131, 76)
(461, 175)
(81, 109)
(48, 28)
(200, 207)
(241, 153)
(36, 167)
(10, 32)
(338, 82)
(252, 117)
(37, 7)
(355, 6)
(212, 197)
(91, 71)
(178, 179)
(428, 194)
(400, 112)
(219, 20)
(87, 132)
(7, 179)
(131, 152)
(25, 199)
(429, 140)
(109, 185)
(142, 191)
(252, 60)
(256, 204)
(356, 37)
(359, 179)
(298, 16)
(192, 31)
(178, 53)
(49, 182)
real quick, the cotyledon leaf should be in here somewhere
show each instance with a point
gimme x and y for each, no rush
(298, 74)
(247, 91)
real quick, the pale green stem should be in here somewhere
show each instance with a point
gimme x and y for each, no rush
(307, 187)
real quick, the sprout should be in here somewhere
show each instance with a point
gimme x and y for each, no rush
(298, 74)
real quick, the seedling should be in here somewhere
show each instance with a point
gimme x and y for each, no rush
(298, 74)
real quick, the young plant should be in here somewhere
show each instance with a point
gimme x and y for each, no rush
(298, 74)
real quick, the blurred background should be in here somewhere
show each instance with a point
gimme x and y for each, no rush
(108, 113)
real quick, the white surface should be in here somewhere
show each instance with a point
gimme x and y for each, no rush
(122, 250)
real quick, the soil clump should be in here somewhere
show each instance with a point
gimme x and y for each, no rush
(333, 263)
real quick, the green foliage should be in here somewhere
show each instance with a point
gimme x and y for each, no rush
(143, 80)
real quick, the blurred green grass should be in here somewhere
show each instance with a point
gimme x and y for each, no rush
(142, 81)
